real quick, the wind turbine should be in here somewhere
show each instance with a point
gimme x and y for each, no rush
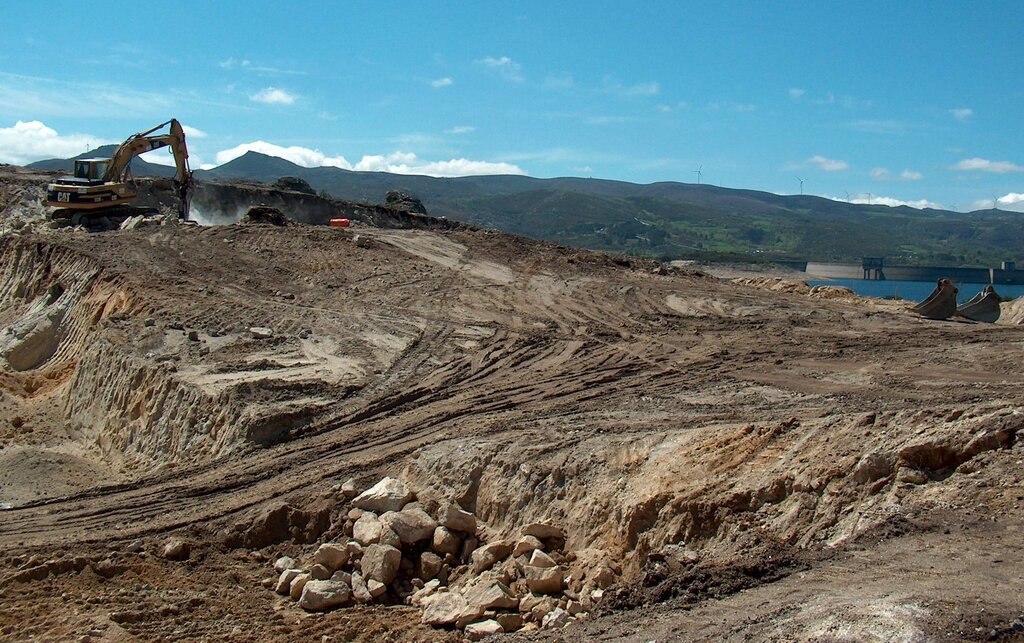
(801, 185)
(995, 202)
(847, 196)
(698, 173)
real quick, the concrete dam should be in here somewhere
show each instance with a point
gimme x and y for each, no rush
(875, 268)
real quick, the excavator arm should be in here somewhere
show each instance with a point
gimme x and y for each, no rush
(119, 170)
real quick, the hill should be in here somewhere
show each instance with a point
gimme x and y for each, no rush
(668, 220)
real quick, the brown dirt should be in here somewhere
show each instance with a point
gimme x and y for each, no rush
(810, 453)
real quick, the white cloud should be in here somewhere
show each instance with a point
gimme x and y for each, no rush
(247, 65)
(193, 132)
(962, 113)
(558, 81)
(396, 162)
(273, 96)
(586, 169)
(29, 141)
(796, 93)
(732, 106)
(871, 199)
(408, 163)
(827, 164)
(509, 69)
(668, 109)
(880, 174)
(460, 129)
(231, 63)
(1014, 202)
(910, 175)
(442, 82)
(613, 86)
(609, 120)
(985, 165)
(298, 155)
(42, 97)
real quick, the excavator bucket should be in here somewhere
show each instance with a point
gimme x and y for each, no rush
(941, 304)
(983, 307)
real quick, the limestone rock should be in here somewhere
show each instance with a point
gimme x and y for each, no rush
(411, 525)
(366, 530)
(322, 595)
(448, 608)
(540, 559)
(331, 555)
(380, 563)
(525, 545)
(359, 589)
(298, 584)
(556, 619)
(283, 563)
(444, 541)
(604, 578)
(541, 608)
(458, 520)
(342, 577)
(430, 565)
(543, 580)
(176, 549)
(319, 572)
(490, 595)
(261, 332)
(510, 622)
(420, 596)
(348, 488)
(389, 537)
(377, 588)
(542, 530)
(483, 629)
(390, 494)
(485, 557)
(284, 581)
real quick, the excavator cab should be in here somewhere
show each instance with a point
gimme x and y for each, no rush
(87, 172)
(91, 169)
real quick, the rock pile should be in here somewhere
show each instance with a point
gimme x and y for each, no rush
(398, 200)
(393, 551)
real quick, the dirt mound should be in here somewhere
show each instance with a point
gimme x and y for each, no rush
(265, 214)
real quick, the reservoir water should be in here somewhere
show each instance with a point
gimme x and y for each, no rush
(912, 290)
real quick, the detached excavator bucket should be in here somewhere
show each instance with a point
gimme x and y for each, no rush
(941, 304)
(983, 307)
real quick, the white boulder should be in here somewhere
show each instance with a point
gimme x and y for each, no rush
(322, 595)
(390, 494)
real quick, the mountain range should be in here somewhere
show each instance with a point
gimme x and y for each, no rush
(666, 220)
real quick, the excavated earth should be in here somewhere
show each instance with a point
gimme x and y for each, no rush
(753, 464)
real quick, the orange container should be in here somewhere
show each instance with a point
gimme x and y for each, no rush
(339, 223)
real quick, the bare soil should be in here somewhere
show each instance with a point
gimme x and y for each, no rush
(831, 469)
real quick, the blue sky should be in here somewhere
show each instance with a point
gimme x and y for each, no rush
(917, 102)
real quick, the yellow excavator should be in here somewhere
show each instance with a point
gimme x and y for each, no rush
(102, 187)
